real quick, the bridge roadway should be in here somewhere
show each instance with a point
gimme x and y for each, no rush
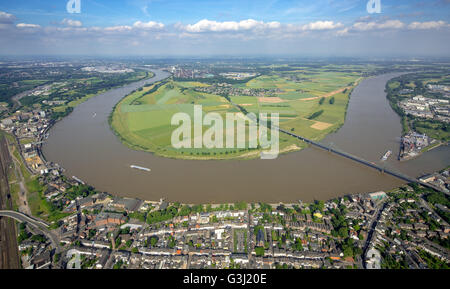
(398, 175)
(21, 217)
(39, 225)
(362, 161)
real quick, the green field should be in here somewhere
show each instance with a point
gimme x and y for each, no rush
(142, 120)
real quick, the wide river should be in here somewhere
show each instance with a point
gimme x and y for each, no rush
(85, 146)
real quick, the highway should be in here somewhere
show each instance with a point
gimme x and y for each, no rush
(398, 175)
(39, 225)
(21, 217)
(360, 160)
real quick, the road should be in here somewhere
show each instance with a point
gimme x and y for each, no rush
(39, 225)
(352, 157)
(435, 215)
(407, 254)
(16, 98)
(372, 227)
(398, 175)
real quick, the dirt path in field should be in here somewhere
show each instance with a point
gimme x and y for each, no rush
(321, 125)
(274, 99)
(328, 94)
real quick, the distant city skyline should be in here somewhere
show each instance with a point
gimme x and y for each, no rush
(229, 28)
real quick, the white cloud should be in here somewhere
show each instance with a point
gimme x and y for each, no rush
(148, 25)
(428, 25)
(342, 32)
(72, 23)
(6, 18)
(322, 25)
(26, 25)
(273, 25)
(366, 18)
(209, 36)
(120, 28)
(206, 25)
(389, 24)
(137, 25)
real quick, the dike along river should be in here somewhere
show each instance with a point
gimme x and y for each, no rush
(84, 144)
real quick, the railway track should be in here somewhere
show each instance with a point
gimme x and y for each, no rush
(9, 254)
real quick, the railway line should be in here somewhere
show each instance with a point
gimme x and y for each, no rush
(9, 256)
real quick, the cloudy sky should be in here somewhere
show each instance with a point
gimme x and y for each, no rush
(411, 28)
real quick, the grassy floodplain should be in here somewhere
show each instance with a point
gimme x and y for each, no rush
(93, 80)
(142, 120)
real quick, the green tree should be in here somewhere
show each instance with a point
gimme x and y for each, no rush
(259, 251)
(153, 241)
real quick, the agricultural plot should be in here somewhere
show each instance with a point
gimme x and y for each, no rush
(147, 124)
(143, 119)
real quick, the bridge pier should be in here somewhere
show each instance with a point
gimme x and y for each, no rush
(359, 160)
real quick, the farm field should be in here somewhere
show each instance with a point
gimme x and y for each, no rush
(142, 120)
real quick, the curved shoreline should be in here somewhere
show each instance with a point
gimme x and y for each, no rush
(99, 158)
(54, 122)
(236, 155)
(157, 152)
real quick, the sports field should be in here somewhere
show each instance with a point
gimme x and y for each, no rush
(143, 119)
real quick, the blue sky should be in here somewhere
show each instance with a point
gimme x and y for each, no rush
(225, 27)
(114, 12)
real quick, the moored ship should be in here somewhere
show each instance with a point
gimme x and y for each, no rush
(140, 168)
(386, 155)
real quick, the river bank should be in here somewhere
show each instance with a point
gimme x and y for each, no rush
(142, 119)
(87, 148)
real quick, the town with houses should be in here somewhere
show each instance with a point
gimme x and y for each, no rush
(436, 109)
(404, 228)
(229, 90)
(181, 72)
(202, 72)
(375, 230)
(407, 227)
(225, 143)
(102, 231)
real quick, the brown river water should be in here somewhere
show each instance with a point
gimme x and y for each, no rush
(85, 146)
